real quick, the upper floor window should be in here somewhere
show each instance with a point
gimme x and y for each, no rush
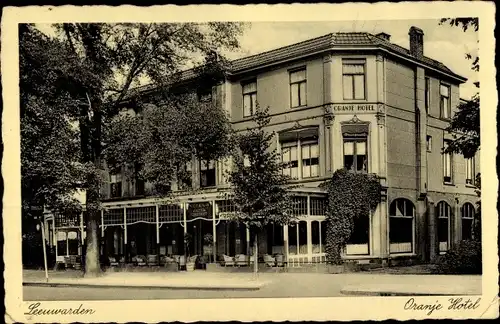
(429, 143)
(298, 84)
(469, 171)
(116, 185)
(353, 79)
(205, 94)
(184, 176)
(301, 153)
(427, 94)
(207, 174)
(249, 98)
(447, 165)
(445, 101)
(355, 147)
(139, 182)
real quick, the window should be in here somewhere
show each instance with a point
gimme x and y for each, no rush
(205, 94)
(355, 155)
(249, 98)
(429, 143)
(207, 174)
(444, 214)
(305, 151)
(467, 221)
(358, 242)
(401, 226)
(469, 170)
(445, 101)
(297, 238)
(353, 80)
(116, 185)
(318, 236)
(298, 88)
(139, 182)
(427, 94)
(447, 165)
(184, 176)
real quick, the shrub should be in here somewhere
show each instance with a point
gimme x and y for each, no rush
(464, 258)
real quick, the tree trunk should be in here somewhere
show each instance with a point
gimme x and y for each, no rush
(92, 264)
(255, 255)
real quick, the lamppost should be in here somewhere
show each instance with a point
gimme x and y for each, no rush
(42, 228)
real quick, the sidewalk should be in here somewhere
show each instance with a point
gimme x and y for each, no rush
(175, 280)
(411, 285)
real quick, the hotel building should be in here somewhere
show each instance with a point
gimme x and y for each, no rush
(342, 100)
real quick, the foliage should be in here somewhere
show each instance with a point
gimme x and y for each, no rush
(50, 172)
(164, 138)
(464, 258)
(260, 190)
(476, 230)
(464, 124)
(350, 196)
(96, 66)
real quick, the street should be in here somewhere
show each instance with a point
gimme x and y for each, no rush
(282, 285)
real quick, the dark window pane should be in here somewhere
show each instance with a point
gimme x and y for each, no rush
(360, 234)
(315, 232)
(324, 225)
(401, 230)
(467, 229)
(443, 230)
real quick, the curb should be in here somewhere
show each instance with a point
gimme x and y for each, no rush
(171, 287)
(395, 293)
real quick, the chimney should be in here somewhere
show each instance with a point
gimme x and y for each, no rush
(416, 42)
(384, 36)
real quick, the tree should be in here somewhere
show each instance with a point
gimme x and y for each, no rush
(464, 124)
(163, 139)
(260, 190)
(106, 61)
(50, 172)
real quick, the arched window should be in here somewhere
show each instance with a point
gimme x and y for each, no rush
(443, 214)
(467, 221)
(401, 226)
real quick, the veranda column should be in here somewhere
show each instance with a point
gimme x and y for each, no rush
(433, 242)
(214, 212)
(457, 224)
(285, 242)
(184, 220)
(125, 238)
(309, 230)
(157, 210)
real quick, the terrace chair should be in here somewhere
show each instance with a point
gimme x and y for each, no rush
(112, 262)
(228, 261)
(152, 260)
(241, 260)
(269, 260)
(141, 260)
(280, 260)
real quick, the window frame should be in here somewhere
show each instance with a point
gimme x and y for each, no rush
(207, 165)
(299, 144)
(298, 83)
(253, 105)
(441, 207)
(356, 140)
(470, 167)
(413, 225)
(115, 179)
(428, 143)
(354, 62)
(464, 211)
(450, 161)
(448, 108)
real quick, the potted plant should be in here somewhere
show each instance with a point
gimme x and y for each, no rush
(187, 242)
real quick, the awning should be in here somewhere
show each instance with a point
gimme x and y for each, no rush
(355, 130)
(296, 134)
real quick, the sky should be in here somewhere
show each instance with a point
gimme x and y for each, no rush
(443, 43)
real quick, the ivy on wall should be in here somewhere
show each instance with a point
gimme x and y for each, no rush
(350, 195)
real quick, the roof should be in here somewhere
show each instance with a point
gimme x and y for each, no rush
(330, 41)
